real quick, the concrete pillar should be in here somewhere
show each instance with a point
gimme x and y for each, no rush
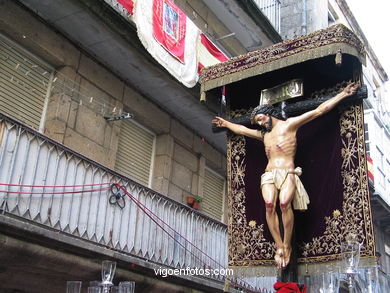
(163, 163)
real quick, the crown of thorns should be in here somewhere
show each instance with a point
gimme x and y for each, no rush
(267, 109)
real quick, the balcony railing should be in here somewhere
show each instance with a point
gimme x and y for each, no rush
(44, 182)
(271, 9)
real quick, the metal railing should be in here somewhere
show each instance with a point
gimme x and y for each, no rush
(44, 182)
(271, 9)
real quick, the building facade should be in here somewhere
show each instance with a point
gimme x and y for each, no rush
(71, 75)
(300, 17)
(84, 104)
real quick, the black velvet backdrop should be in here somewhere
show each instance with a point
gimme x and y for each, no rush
(319, 155)
(331, 155)
(330, 152)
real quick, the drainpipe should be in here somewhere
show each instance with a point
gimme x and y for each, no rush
(304, 17)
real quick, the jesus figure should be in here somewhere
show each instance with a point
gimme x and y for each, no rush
(281, 177)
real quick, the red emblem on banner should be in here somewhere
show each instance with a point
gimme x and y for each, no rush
(128, 5)
(169, 27)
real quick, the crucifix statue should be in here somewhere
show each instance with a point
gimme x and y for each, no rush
(280, 180)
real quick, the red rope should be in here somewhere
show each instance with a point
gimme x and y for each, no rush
(57, 186)
(145, 209)
(54, 186)
(56, 192)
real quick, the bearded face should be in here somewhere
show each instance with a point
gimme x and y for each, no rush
(264, 121)
(268, 125)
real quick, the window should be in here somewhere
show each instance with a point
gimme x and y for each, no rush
(24, 83)
(332, 15)
(367, 139)
(213, 192)
(387, 175)
(380, 158)
(380, 166)
(381, 178)
(135, 152)
(387, 249)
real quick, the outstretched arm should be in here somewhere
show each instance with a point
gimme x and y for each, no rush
(325, 107)
(237, 128)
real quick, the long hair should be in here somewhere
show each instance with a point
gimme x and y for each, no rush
(267, 109)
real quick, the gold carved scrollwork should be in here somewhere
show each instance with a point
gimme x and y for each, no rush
(246, 238)
(247, 244)
(355, 216)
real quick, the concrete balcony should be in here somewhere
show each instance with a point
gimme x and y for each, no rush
(58, 220)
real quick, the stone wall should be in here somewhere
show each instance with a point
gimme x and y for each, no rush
(180, 154)
(33, 267)
(75, 122)
(293, 17)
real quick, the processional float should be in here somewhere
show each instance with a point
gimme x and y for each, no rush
(296, 76)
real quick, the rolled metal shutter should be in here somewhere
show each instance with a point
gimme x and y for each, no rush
(135, 152)
(213, 190)
(24, 83)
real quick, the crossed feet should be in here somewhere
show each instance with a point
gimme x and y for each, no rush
(282, 256)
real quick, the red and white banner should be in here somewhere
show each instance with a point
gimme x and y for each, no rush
(170, 37)
(169, 27)
(208, 53)
(370, 168)
(128, 5)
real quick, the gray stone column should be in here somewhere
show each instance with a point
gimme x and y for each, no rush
(163, 163)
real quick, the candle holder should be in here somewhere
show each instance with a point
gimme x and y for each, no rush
(351, 256)
(95, 289)
(73, 286)
(106, 285)
(126, 287)
(108, 272)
